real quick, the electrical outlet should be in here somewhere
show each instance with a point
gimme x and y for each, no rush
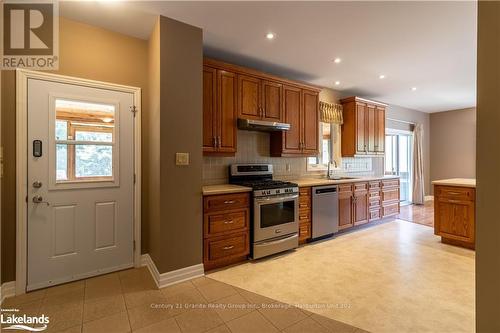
(181, 158)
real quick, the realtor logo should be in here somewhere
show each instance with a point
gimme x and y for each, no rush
(30, 33)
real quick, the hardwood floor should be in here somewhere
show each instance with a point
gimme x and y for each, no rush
(421, 214)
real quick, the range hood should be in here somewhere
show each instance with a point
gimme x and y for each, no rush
(261, 125)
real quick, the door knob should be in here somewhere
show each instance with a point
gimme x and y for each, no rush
(39, 199)
(37, 184)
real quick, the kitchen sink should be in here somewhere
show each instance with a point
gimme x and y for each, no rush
(341, 178)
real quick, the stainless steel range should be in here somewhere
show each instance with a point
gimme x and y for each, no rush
(275, 212)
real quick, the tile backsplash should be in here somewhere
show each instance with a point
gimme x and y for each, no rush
(253, 147)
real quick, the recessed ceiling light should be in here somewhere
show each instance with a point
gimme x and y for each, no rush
(337, 60)
(381, 76)
(337, 83)
(270, 35)
(413, 88)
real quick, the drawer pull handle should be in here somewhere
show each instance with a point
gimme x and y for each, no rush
(453, 201)
(228, 221)
(303, 205)
(229, 202)
(454, 193)
(303, 217)
(225, 248)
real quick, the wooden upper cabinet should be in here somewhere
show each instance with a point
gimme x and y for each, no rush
(380, 130)
(260, 99)
(301, 112)
(226, 87)
(272, 101)
(292, 106)
(310, 134)
(360, 128)
(219, 111)
(249, 96)
(209, 109)
(363, 130)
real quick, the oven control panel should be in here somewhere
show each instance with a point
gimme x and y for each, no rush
(276, 191)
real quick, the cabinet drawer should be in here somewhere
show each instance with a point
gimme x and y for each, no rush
(305, 191)
(457, 193)
(304, 203)
(375, 194)
(374, 203)
(389, 210)
(375, 214)
(390, 195)
(390, 183)
(220, 223)
(304, 215)
(345, 188)
(231, 246)
(304, 231)
(360, 186)
(226, 202)
(374, 186)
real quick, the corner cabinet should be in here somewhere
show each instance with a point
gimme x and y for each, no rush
(219, 111)
(301, 107)
(363, 130)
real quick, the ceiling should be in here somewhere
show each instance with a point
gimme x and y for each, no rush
(427, 45)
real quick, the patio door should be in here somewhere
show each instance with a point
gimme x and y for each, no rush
(398, 160)
(80, 182)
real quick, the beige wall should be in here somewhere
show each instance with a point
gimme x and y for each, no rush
(488, 166)
(453, 148)
(413, 116)
(86, 52)
(181, 63)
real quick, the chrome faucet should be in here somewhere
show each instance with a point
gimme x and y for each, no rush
(328, 170)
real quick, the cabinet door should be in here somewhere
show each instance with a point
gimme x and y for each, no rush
(272, 101)
(292, 105)
(360, 128)
(226, 96)
(379, 130)
(249, 97)
(370, 133)
(209, 109)
(455, 219)
(345, 208)
(360, 208)
(310, 118)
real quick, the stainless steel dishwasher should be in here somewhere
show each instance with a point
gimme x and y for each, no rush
(325, 211)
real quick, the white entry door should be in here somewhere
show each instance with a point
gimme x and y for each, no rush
(80, 182)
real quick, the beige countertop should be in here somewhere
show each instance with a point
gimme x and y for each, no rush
(224, 189)
(460, 182)
(302, 182)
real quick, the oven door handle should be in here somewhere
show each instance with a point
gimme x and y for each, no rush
(277, 199)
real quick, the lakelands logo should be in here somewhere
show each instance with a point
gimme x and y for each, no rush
(9, 320)
(30, 34)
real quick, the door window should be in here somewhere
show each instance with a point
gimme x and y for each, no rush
(84, 141)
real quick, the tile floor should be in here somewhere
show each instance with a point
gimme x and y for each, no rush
(129, 301)
(421, 214)
(390, 277)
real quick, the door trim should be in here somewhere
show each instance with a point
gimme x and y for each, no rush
(22, 77)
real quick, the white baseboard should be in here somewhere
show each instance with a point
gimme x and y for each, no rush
(169, 278)
(428, 198)
(7, 289)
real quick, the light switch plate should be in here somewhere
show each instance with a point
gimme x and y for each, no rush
(181, 158)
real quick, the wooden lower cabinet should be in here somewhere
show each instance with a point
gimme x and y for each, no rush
(345, 206)
(454, 215)
(363, 202)
(226, 229)
(305, 214)
(360, 204)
